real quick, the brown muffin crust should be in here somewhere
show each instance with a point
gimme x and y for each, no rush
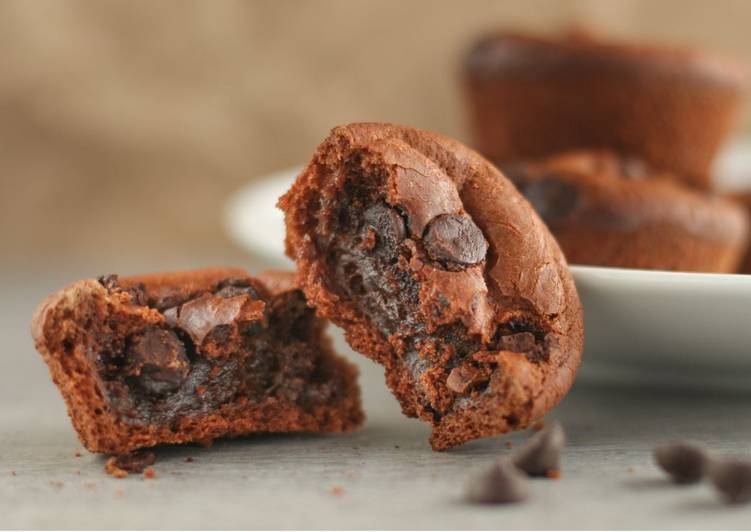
(606, 210)
(532, 96)
(190, 357)
(438, 269)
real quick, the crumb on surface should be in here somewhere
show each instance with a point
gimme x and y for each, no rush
(89, 485)
(509, 444)
(190, 459)
(337, 491)
(13, 473)
(630, 469)
(56, 483)
(149, 473)
(77, 454)
(119, 493)
(555, 474)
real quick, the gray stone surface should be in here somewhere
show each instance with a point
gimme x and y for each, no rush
(389, 477)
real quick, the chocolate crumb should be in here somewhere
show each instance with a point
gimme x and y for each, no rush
(119, 466)
(337, 491)
(686, 463)
(542, 452)
(732, 478)
(56, 484)
(149, 473)
(189, 459)
(500, 484)
(509, 444)
(13, 473)
(554, 474)
(78, 454)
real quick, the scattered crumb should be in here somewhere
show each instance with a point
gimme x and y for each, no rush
(538, 425)
(630, 470)
(149, 473)
(13, 473)
(89, 485)
(119, 493)
(509, 444)
(189, 459)
(119, 466)
(337, 491)
(56, 483)
(555, 474)
(77, 472)
(78, 454)
(396, 446)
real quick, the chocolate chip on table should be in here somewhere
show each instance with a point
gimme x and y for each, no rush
(502, 483)
(732, 478)
(387, 223)
(541, 454)
(552, 198)
(158, 358)
(686, 463)
(455, 239)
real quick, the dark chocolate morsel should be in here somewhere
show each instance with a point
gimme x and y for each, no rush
(236, 286)
(464, 378)
(684, 462)
(158, 358)
(387, 223)
(552, 198)
(199, 316)
(541, 454)
(455, 239)
(732, 478)
(517, 342)
(500, 484)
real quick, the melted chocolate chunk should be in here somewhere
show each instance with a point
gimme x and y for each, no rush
(199, 316)
(159, 360)
(465, 378)
(236, 286)
(552, 198)
(455, 239)
(541, 454)
(684, 462)
(502, 483)
(388, 224)
(517, 342)
(732, 479)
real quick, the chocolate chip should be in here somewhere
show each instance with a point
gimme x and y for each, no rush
(388, 224)
(500, 484)
(236, 286)
(110, 282)
(684, 462)
(517, 342)
(541, 454)
(464, 378)
(733, 480)
(199, 316)
(454, 239)
(158, 359)
(552, 198)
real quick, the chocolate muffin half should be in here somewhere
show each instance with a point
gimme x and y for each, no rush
(532, 96)
(437, 268)
(192, 356)
(607, 210)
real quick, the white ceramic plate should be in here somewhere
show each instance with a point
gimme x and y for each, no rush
(648, 326)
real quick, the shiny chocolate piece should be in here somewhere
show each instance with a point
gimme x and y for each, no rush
(685, 463)
(455, 239)
(541, 454)
(502, 483)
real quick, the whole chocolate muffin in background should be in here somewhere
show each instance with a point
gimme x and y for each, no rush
(607, 210)
(437, 268)
(532, 96)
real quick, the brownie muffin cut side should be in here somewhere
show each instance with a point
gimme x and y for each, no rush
(438, 269)
(192, 356)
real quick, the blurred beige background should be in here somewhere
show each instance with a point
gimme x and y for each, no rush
(125, 126)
